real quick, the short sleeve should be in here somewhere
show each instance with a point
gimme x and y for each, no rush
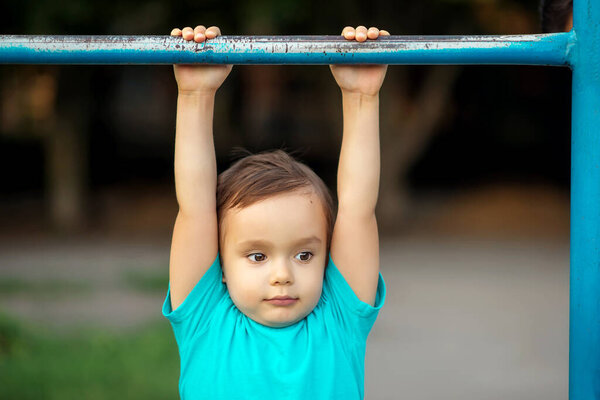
(353, 312)
(194, 313)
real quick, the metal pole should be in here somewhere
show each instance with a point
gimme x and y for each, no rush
(541, 49)
(584, 332)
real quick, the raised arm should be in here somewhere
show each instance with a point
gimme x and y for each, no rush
(355, 241)
(195, 235)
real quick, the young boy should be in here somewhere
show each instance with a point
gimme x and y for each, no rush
(268, 299)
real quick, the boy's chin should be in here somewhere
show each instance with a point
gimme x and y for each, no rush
(276, 322)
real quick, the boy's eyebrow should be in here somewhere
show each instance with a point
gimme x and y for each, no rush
(266, 243)
(307, 240)
(254, 243)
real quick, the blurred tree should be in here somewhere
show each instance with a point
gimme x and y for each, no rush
(30, 107)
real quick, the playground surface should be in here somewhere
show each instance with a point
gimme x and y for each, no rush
(463, 319)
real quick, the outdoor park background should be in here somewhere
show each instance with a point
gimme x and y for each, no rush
(474, 203)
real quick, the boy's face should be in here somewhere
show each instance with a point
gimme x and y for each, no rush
(275, 248)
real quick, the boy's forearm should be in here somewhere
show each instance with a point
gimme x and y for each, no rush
(359, 165)
(195, 162)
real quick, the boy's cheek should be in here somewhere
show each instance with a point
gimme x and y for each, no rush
(317, 289)
(313, 287)
(242, 288)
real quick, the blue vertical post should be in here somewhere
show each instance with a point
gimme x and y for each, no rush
(584, 331)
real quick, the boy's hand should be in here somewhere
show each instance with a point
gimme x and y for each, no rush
(361, 79)
(195, 78)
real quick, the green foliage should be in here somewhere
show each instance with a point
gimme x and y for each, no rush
(11, 337)
(87, 365)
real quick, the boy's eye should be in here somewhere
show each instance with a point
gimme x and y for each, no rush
(257, 257)
(304, 256)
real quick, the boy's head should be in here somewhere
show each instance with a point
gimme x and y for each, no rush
(275, 224)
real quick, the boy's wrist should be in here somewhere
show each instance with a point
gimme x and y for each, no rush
(360, 100)
(197, 93)
(346, 94)
(196, 99)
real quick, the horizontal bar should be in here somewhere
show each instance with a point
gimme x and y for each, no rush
(538, 49)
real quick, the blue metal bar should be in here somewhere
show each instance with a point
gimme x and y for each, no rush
(584, 331)
(540, 49)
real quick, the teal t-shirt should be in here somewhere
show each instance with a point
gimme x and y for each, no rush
(226, 355)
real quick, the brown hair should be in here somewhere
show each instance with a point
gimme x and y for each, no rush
(260, 176)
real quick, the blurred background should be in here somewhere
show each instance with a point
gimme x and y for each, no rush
(473, 206)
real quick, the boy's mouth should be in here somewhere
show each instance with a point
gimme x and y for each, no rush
(282, 300)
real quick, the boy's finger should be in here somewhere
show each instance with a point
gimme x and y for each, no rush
(373, 33)
(187, 33)
(212, 32)
(176, 32)
(384, 33)
(361, 33)
(348, 31)
(199, 33)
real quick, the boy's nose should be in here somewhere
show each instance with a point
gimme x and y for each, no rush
(282, 274)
